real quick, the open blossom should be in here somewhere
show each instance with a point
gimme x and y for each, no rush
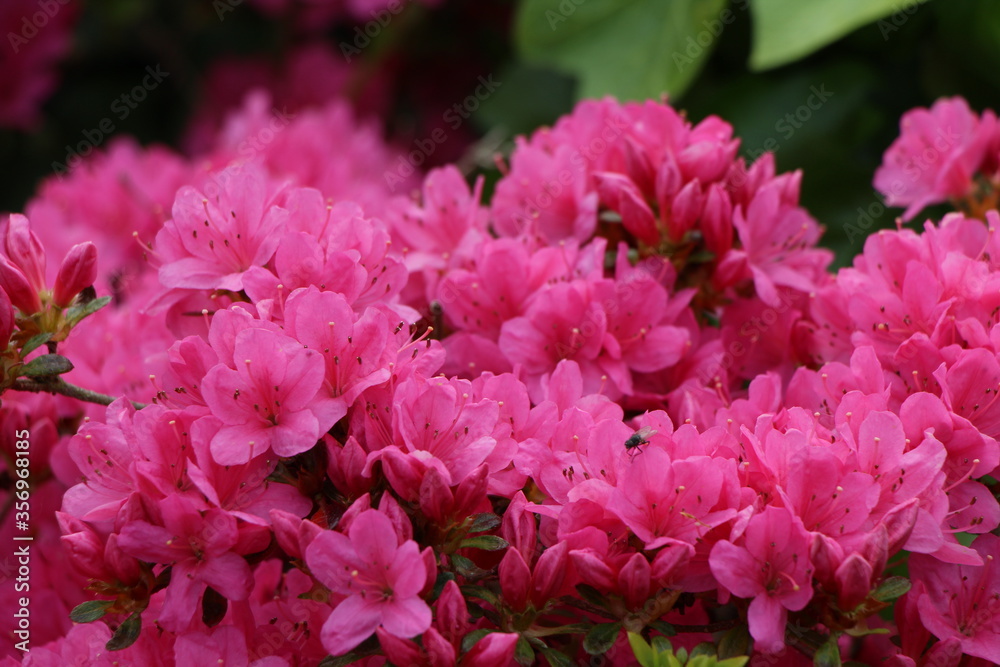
(936, 156)
(771, 565)
(269, 400)
(962, 601)
(378, 575)
(199, 546)
(213, 239)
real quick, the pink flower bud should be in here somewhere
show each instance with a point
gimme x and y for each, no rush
(854, 581)
(15, 284)
(77, 272)
(634, 580)
(452, 613)
(515, 578)
(25, 250)
(496, 648)
(519, 528)
(550, 571)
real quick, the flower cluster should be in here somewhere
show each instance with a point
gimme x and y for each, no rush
(622, 401)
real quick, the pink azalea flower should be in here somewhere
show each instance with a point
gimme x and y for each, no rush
(771, 566)
(961, 602)
(198, 545)
(212, 240)
(376, 573)
(269, 402)
(936, 156)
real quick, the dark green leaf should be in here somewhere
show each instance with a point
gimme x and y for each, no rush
(891, 588)
(592, 595)
(601, 637)
(466, 567)
(484, 521)
(469, 640)
(126, 633)
(47, 365)
(442, 579)
(89, 611)
(786, 30)
(523, 653)
(34, 343)
(663, 627)
(484, 542)
(632, 49)
(828, 655)
(557, 658)
(661, 644)
(74, 314)
(704, 648)
(482, 593)
(735, 643)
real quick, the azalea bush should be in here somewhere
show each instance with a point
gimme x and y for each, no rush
(315, 390)
(620, 412)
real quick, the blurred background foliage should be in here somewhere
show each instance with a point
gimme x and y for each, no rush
(822, 83)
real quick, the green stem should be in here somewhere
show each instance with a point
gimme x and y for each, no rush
(63, 388)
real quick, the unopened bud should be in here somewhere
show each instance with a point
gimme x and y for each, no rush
(25, 250)
(77, 272)
(15, 284)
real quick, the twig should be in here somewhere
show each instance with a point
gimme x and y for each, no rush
(60, 386)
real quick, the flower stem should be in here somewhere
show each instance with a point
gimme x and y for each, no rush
(60, 386)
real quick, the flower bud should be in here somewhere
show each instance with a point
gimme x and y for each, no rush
(15, 284)
(25, 250)
(77, 272)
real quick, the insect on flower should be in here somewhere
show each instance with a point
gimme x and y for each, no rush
(637, 440)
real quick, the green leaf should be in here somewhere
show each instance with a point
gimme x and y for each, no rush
(787, 30)
(484, 521)
(557, 658)
(663, 627)
(126, 633)
(47, 365)
(34, 343)
(733, 662)
(466, 567)
(661, 645)
(643, 652)
(484, 542)
(74, 314)
(704, 648)
(601, 637)
(632, 49)
(469, 640)
(592, 595)
(442, 579)
(523, 653)
(891, 588)
(92, 610)
(828, 655)
(735, 643)
(482, 593)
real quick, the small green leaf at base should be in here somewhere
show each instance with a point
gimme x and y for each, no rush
(47, 365)
(828, 655)
(484, 542)
(90, 611)
(891, 588)
(126, 633)
(601, 637)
